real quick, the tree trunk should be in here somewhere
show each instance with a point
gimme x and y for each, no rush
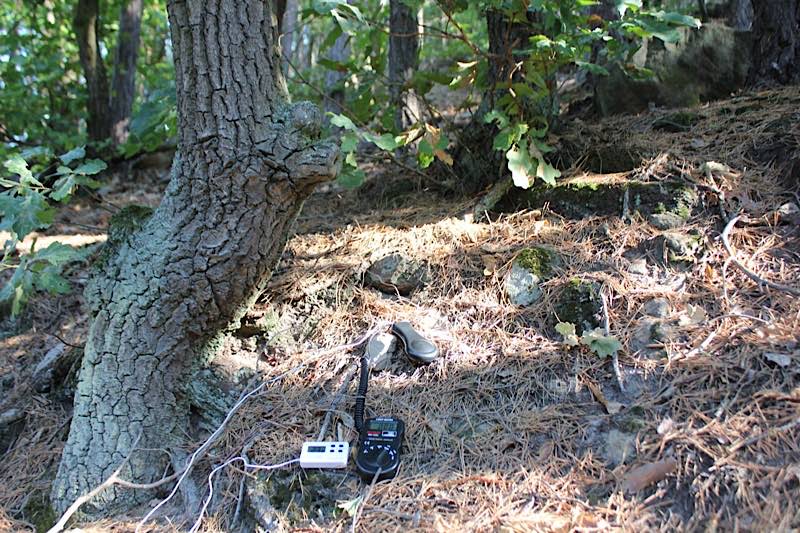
(85, 25)
(280, 11)
(776, 36)
(504, 37)
(245, 163)
(740, 16)
(123, 82)
(403, 61)
(334, 79)
(477, 166)
(288, 30)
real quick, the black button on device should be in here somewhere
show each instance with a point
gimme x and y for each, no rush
(380, 452)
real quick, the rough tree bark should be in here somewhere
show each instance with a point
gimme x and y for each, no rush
(85, 25)
(403, 61)
(776, 36)
(245, 163)
(123, 81)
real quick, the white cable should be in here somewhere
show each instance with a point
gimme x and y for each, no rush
(247, 464)
(316, 354)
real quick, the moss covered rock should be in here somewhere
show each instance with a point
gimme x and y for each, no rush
(397, 274)
(530, 267)
(602, 196)
(579, 303)
(705, 64)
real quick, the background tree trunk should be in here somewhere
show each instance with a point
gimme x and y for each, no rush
(477, 166)
(776, 36)
(740, 16)
(403, 61)
(123, 82)
(289, 29)
(280, 11)
(244, 165)
(334, 80)
(85, 25)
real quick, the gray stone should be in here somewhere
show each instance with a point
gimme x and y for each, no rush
(43, 373)
(579, 303)
(643, 335)
(530, 268)
(6, 382)
(618, 448)
(673, 247)
(522, 286)
(396, 274)
(665, 221)
(657, 307)
(10, 416)
(638, 266)
(705, 64)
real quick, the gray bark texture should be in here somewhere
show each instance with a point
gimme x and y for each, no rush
(85, 25)
(776, 36)
(123, 81)
(246, 161)
(403, 61)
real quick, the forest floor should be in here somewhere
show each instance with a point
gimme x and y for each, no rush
(510, 429)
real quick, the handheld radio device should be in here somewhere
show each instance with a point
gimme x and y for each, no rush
(379, 447)
(381, 438)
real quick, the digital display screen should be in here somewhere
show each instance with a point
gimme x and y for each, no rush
(316, 449)
(388, 425)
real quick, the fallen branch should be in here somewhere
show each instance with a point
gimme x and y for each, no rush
(750, 274)
(607, 333)
(112, 480)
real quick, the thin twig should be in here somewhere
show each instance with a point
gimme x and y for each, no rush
(771, 431)
(339, 395)
(750, 274)
(607, 332)
(65, 343)
(112, 480)
(367, 494)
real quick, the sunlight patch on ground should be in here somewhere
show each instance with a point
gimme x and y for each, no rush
(43, 241)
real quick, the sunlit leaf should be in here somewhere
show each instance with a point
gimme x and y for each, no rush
(342, 122)
(520, 165)
(602, 345)
(18, 166)
(567, 330)
(351, 177)
(90, 167)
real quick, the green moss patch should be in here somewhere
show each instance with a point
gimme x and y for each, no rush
(537, 260)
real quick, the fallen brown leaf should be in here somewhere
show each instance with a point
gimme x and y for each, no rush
(645, 475)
